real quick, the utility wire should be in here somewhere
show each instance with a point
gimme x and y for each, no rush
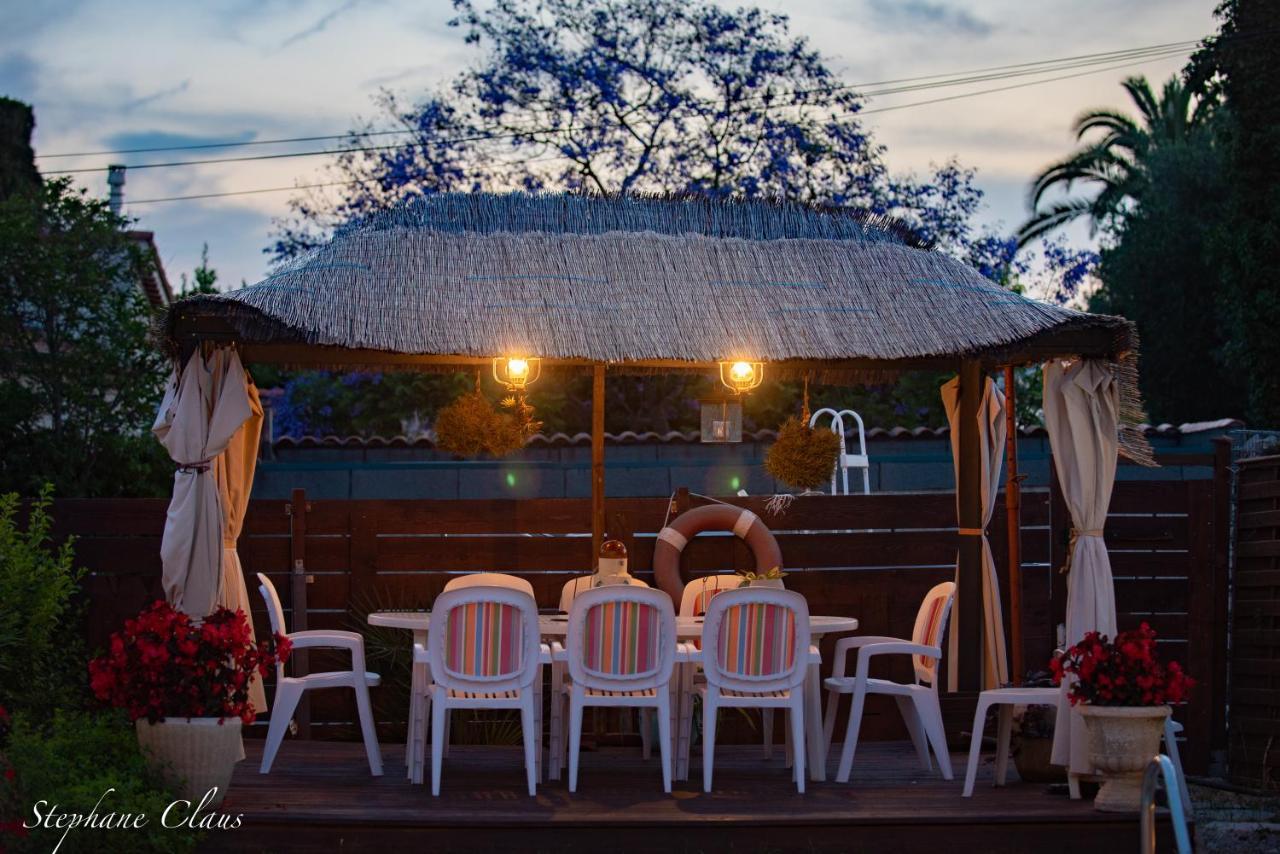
(949, 79)
(891, 108)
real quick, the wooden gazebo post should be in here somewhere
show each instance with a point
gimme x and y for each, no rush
(969, 506)
(1013, 524)
(597, 460)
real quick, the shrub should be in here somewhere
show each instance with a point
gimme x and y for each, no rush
(73, 761)
(39, 636)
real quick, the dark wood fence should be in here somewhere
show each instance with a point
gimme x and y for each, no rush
(872, 557)
(1254, 754)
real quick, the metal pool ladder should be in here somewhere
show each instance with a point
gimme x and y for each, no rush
(1162, 766)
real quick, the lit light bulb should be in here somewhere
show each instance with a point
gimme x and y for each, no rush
(517, 369)
(742, 372)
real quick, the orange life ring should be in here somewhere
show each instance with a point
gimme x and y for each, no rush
(672, 540)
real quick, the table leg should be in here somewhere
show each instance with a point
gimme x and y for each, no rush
(685, 735)
(556, 736)
(813, 723)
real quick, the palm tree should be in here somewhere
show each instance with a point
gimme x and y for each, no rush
(1115, 161)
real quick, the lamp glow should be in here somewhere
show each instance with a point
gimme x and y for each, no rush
(516, 372)
(741, 377)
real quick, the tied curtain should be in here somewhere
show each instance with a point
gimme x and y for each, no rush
(1082, 416)
(991, 431)
(209, 421)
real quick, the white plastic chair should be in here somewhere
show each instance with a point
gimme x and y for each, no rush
(289, 689)
(574, 586)
(484, 653)
(755, 654)
(621, 650)
(917, 701)
(847, 460)
(489, 579)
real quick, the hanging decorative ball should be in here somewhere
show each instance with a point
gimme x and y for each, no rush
(802, 457)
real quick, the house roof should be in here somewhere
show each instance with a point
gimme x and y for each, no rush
(652, 282)
(155, 283)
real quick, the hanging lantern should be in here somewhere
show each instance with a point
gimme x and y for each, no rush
(741, 377)
(517, 372)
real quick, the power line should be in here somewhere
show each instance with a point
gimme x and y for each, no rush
(891, 108)
(943, 79)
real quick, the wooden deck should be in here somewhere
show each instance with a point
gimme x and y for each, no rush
(320, 797)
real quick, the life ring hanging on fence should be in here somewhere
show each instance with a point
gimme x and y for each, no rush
(744, 524)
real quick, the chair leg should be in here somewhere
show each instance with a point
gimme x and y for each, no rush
(448, 729)
(931, 717)
(788, 744)
(287, 696)
(1004, 735)
(914, 728)
(367, 729)
(829, 720)
(529, 729)
(664, 738)
(1073, 786)
(796, 716)
(421, 711)
(575, 738)
(644, 721)
(975, 746)
(708, 738)
(851, 737)
(766, 724)
(1171, 750)
(439, 721)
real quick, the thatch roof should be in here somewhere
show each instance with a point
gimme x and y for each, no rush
(636, 281)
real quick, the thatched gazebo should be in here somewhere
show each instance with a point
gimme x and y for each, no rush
(610, 285)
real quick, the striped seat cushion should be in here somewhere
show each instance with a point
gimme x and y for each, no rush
(757, 640)
(621, 639)
(484, 640)
(931, 630)
(703, 599)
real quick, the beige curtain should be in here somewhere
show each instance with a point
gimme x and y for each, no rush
(233, 470)
(991, 430)
(204, 406)
(1081, 414)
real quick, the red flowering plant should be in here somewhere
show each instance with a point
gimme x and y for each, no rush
(165, 665)
(1123, 672)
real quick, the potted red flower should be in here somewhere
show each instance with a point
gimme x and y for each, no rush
(1123, 691)
(186, 687)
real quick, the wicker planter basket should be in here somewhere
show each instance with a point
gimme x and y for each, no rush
(193, 755)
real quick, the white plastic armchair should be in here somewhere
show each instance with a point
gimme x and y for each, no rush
(489, 579)
(289, 689)
(917, 701)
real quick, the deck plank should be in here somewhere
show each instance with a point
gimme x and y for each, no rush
(320, 793)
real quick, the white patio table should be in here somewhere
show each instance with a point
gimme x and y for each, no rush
(556, 626)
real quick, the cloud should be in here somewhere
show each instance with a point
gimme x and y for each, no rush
(935, 16)
(163, 139)
(18, 76)
(320, 25)
(156, 96)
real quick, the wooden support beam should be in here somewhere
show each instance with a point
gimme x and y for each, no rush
(969, 503)
(297, 510)
(597, 460)
(1013, 527)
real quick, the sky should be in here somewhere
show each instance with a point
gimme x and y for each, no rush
(136, 73)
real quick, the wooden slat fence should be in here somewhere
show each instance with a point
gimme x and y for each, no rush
(872, 557)
(1254, 752)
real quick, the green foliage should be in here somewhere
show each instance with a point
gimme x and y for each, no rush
(39, 631)
(79, 378)
(72, 760)
(203, 279)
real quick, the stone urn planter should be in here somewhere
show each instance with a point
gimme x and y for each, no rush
(192, 755)
(1122, 740)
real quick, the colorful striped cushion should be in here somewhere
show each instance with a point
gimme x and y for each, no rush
(932, 629)
(622, 639)
(757, 640)
(484, 640)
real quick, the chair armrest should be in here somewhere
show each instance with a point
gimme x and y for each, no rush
(319, 638)
(687, 652)
(892, 647)
(420, 654)
(840, 659)
(558, 652)
(544, 654)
